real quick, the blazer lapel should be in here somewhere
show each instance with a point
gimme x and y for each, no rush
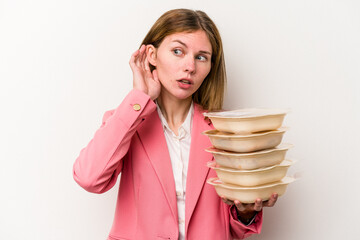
(153, 139)
(198, 158)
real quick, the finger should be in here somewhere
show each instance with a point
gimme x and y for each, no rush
(258, 204)
(241, 207)
(142, 56)
(137, 59)
(142, 48)
(133, 58)
(227, 201)
(146, 63)
(272, 200)
(155, 75)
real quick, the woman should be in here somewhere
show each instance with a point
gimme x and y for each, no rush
(153, 138)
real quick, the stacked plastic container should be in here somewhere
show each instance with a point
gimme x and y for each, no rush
(249, 157)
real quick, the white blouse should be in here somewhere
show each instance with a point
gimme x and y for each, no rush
(179, 149)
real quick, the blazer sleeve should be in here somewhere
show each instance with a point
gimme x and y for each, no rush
(241, 231)
(100, 162)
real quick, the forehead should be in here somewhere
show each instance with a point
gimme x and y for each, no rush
(197, 39)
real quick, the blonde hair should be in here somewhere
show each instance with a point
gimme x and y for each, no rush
(210, 95)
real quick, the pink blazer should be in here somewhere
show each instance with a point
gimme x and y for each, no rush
(131, 141)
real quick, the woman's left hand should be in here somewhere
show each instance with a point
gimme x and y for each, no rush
(248, 211)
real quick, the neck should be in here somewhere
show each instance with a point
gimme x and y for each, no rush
(174, 110)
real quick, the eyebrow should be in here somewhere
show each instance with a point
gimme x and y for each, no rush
(182, 43)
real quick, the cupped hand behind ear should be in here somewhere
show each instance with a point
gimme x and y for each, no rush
(143, 79)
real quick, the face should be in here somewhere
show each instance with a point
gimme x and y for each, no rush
(182, 61)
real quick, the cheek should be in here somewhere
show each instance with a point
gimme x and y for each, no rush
(166, 69)
(165, 74)
(205, 72)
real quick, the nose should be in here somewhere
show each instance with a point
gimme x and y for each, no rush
(189, 65)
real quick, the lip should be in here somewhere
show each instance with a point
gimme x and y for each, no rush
(187, 79)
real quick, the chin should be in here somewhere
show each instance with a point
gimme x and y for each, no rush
(180, 94)
(183, 96)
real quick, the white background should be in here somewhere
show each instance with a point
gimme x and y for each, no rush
(64, 63)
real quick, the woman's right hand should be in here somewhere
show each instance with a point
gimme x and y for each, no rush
(143, 79)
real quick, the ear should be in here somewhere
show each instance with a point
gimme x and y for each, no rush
(151, 54)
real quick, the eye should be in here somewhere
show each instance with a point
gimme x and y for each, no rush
(177, 51)
(202, 58)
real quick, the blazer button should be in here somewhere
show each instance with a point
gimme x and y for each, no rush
(136, 107)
